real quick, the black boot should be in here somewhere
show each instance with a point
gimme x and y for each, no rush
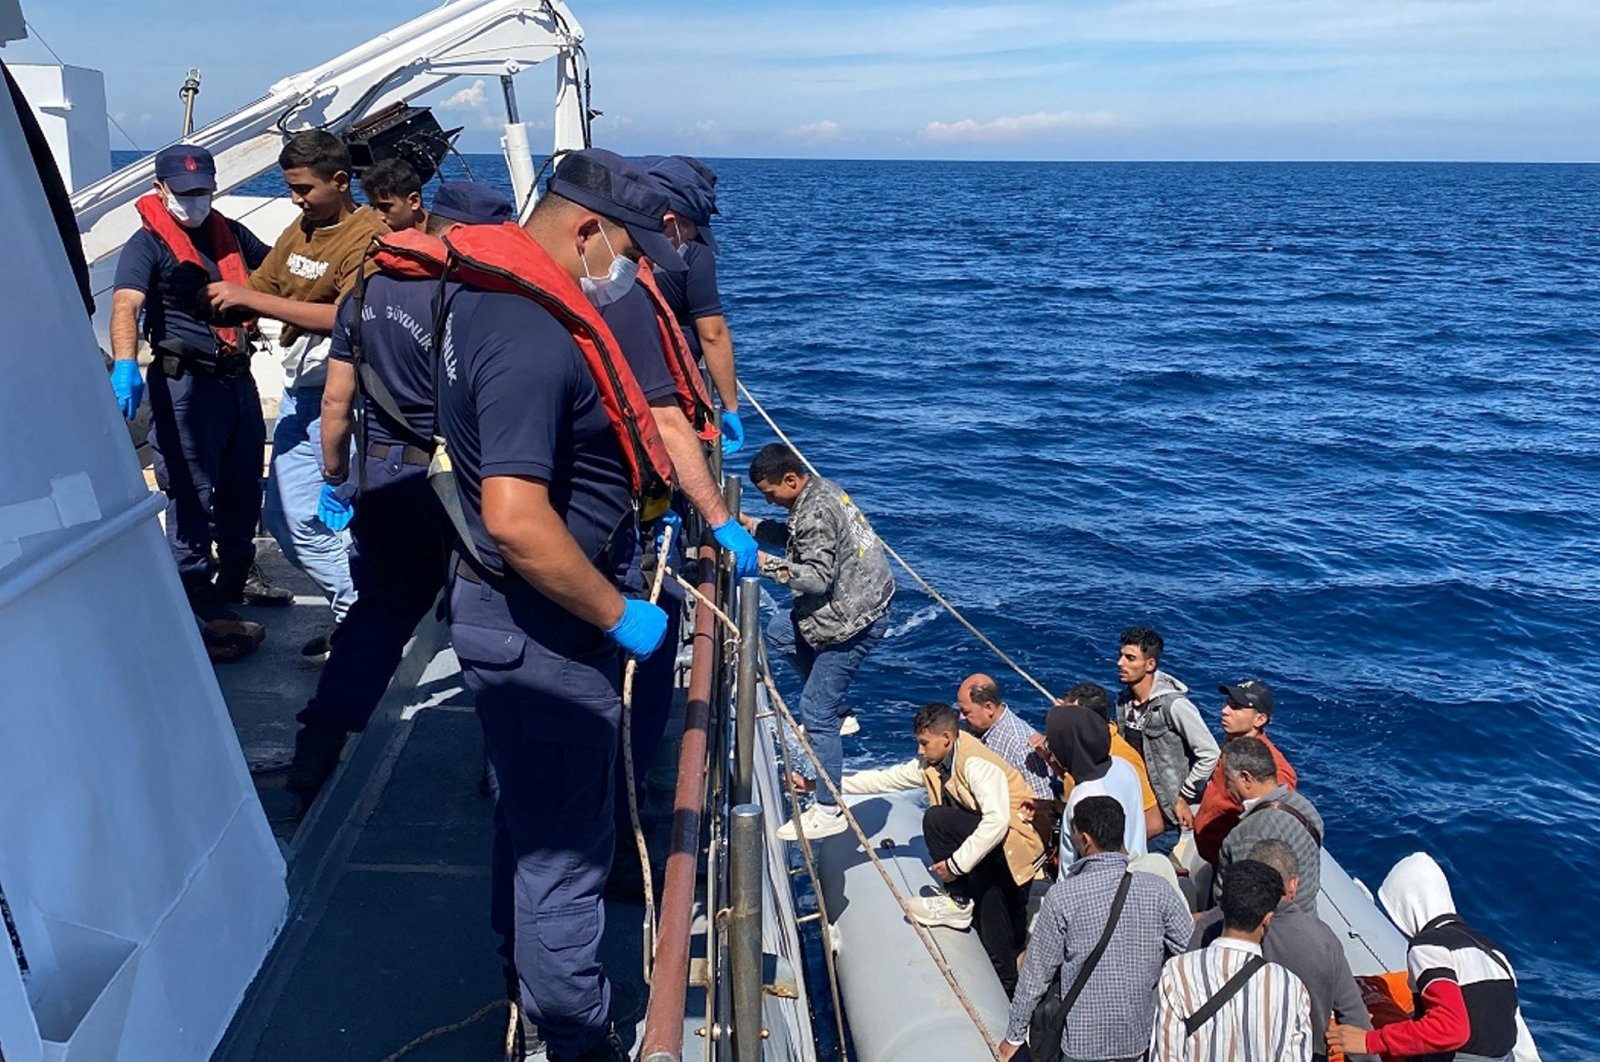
(254, 589)
(206, 601)
(320, 646)
(317, 748)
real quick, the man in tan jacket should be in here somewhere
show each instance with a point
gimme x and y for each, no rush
(979, 831)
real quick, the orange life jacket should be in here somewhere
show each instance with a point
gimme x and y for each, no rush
(230, 260)
(504, 258)
(692, 396)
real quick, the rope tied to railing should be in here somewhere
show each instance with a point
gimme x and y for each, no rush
(922, 932)
(927, 587)
(629, 775)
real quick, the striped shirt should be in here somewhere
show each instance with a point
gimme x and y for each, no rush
(1009, 739)
(1268, 1020)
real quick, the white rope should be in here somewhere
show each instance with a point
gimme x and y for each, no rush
(649, 928)
(444, 1030)
(927, 587)
(934, 951)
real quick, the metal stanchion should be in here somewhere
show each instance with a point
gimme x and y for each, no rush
(746, 859)
(744, 719)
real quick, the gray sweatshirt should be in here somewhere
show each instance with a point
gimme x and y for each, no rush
(836, 565)
(1179, 751)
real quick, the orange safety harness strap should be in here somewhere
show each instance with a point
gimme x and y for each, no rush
(693, 398)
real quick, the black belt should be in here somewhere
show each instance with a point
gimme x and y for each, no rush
(177, 357)
(409, 455)
(469, 573)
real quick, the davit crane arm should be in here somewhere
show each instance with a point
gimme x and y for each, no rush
(465, 38)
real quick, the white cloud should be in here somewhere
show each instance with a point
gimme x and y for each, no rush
(471, 98)
(815, 132)
(705, 131)
(1015, 127)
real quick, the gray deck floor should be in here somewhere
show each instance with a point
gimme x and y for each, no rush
(388, 934)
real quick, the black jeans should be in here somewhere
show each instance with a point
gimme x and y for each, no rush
(1000, 905)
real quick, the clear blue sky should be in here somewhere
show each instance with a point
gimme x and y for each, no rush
(1069, 79)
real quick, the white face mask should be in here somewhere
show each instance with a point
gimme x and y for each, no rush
(190, 211)
(603, 291)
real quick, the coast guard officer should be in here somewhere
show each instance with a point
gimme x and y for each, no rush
(400, 536)
(693, 294)
(634, 319)
(536, 616)
(206, 429)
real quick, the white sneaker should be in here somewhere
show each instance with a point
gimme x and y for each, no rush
(942, 910)
(849, 726)
(819, 822)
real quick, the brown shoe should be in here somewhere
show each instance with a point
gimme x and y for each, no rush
(227, 640)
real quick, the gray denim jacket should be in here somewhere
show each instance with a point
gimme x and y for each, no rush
(837, 568)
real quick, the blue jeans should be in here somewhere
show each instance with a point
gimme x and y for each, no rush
(293, 487)
(826, 673)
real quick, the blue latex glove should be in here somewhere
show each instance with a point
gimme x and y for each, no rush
(641, 628)
(732, 432)
(669, 519)
(737, 541)
(335, 507)
(127, 385)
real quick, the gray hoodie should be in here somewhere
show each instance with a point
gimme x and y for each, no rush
(1179, 751)
(836, 565)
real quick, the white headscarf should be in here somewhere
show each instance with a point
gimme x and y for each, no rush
(1415, 893)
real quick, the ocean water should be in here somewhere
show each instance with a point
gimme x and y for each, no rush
(1332, 426)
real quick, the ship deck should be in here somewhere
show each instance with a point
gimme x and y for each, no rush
(387, 935)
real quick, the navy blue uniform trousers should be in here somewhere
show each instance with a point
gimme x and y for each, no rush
(400, 541)
(207, 440)
(547, 691)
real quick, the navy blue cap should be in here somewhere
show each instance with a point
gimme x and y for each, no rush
(472, 203)
(688, 195)
(615, 188)
(707, 174)
(186, 169)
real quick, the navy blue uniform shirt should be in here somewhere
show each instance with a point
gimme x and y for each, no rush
(632, 319)
(692, 294)
(516, 399)
(397, 341)
(145, 261)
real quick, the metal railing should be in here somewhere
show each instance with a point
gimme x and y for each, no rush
(669, 984)
(720, 827)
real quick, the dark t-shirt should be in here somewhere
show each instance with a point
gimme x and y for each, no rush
(175, 305)
(692, 294)
(397, 342)
(516, 399)
(632, 319)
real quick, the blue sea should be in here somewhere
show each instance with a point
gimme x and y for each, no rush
(1332, 426)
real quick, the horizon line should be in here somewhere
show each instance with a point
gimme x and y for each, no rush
(142, 153)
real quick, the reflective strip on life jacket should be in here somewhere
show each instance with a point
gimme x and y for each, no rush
(692, 396)
(230, 260)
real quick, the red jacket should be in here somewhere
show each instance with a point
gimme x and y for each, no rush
(1219, 813)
